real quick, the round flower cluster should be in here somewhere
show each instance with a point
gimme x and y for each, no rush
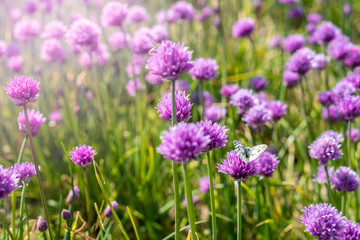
(183, 107)
(325, 148)
(22, 90)
(204, 69)
(243, 28)
(216, 133)
(83, 155)
(36, 120)
(345, 180)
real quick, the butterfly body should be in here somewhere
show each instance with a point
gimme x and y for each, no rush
(249, 154)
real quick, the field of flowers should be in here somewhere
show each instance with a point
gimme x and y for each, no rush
(201, 119)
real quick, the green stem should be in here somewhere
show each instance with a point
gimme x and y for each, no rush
(348, 160)
(189, 200)
(87, 197)
(42, 193)
(223, 52)
(212, 196)
(110, 205)
(343, 203)
(6, 226)
(22, 211)
(328, 185)
(201, 99)
(304, 107)
(239, 217)
(357, 216)
(22, 149)
(175, 168)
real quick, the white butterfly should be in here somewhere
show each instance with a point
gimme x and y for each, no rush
(248, 154)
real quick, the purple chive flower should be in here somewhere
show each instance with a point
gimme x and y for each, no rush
(320, 61)
(290, 79)
(161, 17)
(15, 14)
(296, 12)
(300, 61)
(205, 14)
(288, 2)
(26, 30)
(275, 42)
(41, 225)
(36, 119)
(342, 89)
(216, 133)
(137, 14)
(30, 7)
(24, 171)
(217, 21)
(9, 182)
(293, 42)
(12, 50)
(335, 115)
(54, 29)
(321, 177)
(310, 28)
(325, 32)
(267, 164)
(172, 16)
(207, 97)
(153, 79)
(55, 117)
(258, 83)
(351, 231)
(204, 69)
(142, 41)
(256, 116)
(355, 134)
(277, 109)
(114, 14)
(183, 142)
(159, 33)
(183, 10)
(66, 214)
(133, 86)
(22, 90)
(347, 9)
(83, 155)
(353, 58)
(107, 211)
(345, 180)
(349, 107)
(243, 28)
(84, 34)
(323, 221)
(183, 107)
(354, 78)
(326, 98)
(214, 113)
(229, 90)
(237, 168)
(16, 63)
(330, 133)
(182, 85)
(71, 195)
(314, 18)
(194, 198)
(52, 51)
(100, 56)
(243, 99)
(324, 149)
(340, 48)
(118, 40)
(204, 184)
(170, 60)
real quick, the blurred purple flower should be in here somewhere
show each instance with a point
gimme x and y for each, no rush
(340, 48)
(170, 60)
(204, 184)
(118, 40)
(24, 171)
(133, 86)
(54, 29)
(159, 33)
(15, 63)
(182, 85)
(84, 34)
(184, 10)
(107, 211)
(36, 119)
(194, 198)
(153, 79)
(256, 116)
(324, 149)
(354, 78)
(214, 113)
(320, 61)
(290, 79)
(243, 28)
(277, 109)
(267, 164)
(13, 49)
(349, 107)
(314, 18)
(326, 98)
(9, 182)
(183, 107)
(243, 99)
(275, 41)
(41, 224)
(204, 69)
(207, 97)
(205, 14)
(30, 7)
(296, 12)
(352, 60)
(345, 180)
(114, 14)
(70, 195)
(258, 83)
(342, 89)
(229, 90)
(321, 177)
(293, 42)
(22, 90)
(52, 51)
(347, 9)
(355, 133)
(300, 61)
(26, 30)
(335, 115)
(183, 142)
(288, 2)
(237, 168)
(325, 32)
(137, 14)
(142, 41)
(82, 155)
(323, 221)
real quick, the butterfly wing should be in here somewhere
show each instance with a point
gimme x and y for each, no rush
(240, 150)
(256, 151)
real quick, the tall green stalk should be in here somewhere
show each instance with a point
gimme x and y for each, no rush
(22, 211)
(212, 196)
(304, 107)
(239, 217)
(223, 52)
(328, 185)
(348, 143)
(201, 99)
(175, 168)
(6, 226)
(42, 193)
(189, 201)
(87, 197)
